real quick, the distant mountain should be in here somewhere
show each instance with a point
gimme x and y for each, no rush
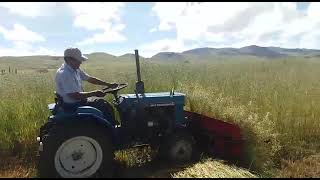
(99, 55)
(296, 51)
(253, 50)
(205, 53)
(34, 57)
(200, 52)
(260, 51)
(168, 56)
(130, 56)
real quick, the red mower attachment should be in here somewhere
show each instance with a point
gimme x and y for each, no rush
(216, 137)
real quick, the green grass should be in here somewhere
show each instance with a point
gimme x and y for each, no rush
(276, 103)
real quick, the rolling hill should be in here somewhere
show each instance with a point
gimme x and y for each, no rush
(253, 50)
(197, 54)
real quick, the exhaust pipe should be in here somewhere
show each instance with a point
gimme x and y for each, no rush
(139, 83)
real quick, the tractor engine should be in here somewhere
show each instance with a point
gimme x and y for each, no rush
(146, 123)
(156, 121)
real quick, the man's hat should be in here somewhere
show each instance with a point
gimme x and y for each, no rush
(75, 53)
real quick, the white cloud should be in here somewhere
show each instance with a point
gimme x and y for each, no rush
(196, 17)
(167, 13)
(153, 30)
(25, 49)
(311, 40)
(99, 16)
(92, 16)
(21, 33)
(22, 39)
(151, 49)
(240, 24)
(314, 10)
(311, 26)
(31, 9)
(106, 37)
(164, 45)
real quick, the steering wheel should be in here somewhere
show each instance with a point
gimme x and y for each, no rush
(115, 90)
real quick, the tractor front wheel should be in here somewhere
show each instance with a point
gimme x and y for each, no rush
(178, 148)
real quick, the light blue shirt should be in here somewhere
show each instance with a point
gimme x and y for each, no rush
(69, 80)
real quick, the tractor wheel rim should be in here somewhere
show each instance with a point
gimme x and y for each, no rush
(80, 156)
(182, 150)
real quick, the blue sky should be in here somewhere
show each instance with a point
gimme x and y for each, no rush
(47, 28)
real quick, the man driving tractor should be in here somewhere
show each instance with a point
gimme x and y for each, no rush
(69, 87)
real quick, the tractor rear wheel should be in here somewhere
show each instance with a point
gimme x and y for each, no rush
(82, 150)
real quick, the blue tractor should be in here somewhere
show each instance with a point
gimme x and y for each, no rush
(81, 142)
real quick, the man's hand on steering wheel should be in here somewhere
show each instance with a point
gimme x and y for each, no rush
(113, 85)
(99, 93)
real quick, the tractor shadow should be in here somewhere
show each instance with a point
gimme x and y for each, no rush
(149, 165)
(156, 168)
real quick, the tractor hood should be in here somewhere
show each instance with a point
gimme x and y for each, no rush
(156, 99)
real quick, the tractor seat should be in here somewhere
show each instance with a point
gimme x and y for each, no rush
(69, 108)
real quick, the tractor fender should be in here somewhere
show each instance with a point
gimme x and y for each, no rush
(89, 118)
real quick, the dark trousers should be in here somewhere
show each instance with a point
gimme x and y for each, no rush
(104, 106)
(101, 104)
